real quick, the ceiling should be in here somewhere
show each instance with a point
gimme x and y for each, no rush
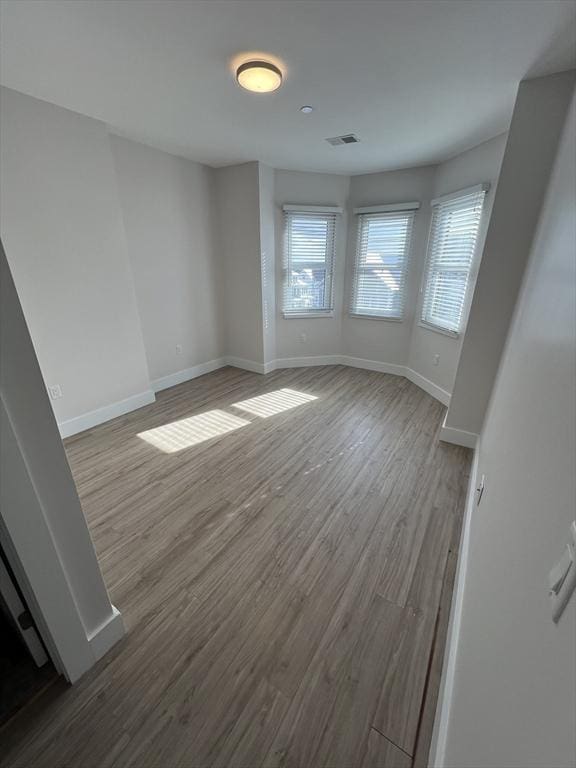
(417, 80)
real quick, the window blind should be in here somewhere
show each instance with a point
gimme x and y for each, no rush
(451, 248)
(379, 280)
(308, 262)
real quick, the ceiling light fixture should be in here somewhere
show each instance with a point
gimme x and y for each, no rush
(306, 109)
(259, 76)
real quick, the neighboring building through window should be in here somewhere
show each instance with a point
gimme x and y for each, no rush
(309, 254)
(382, 253)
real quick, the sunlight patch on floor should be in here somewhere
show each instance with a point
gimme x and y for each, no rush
(274, 402)
(178, 435)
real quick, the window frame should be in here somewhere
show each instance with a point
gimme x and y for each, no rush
(409, 209)
(331, 213)
(472, 269)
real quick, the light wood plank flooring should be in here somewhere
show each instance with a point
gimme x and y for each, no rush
(281, 582)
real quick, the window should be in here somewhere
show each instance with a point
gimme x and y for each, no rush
(451, 248)
(309, 261)
(379, 281)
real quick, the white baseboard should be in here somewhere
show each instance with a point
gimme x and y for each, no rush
(107, 412)
(107, 635)
(374, 365)
(186, 374)
(304, 362)
(428, 386)
(458, 436)
(247, 365)
(101, 415)
(437, 756)
(354, 362)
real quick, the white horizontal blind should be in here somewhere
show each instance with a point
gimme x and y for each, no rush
(379, 280)
(453, 235)
(308, 262)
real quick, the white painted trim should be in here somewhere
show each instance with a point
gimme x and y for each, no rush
(303, 362)
(374, 365)
(165, 382)
(428, 386)
(247, 365)
(388, 208)
(107, 634)
(461, 193)
(312, 208)
(313, 314)
(457, 436)
(107, 412)
(437, 756)
(353, 362)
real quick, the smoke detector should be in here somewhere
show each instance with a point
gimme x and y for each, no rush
(349, 138)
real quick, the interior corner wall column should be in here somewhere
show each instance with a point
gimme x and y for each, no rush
(267, 262)
(243, 232)
(42, 527)
(536, 127)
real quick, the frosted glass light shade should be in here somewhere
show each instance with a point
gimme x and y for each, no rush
(259, 76)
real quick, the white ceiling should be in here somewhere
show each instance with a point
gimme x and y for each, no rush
(417, 80)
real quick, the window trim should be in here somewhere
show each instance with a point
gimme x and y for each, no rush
(326, 210)
(474, 263)
(406, 208)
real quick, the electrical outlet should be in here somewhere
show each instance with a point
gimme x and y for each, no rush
(303, 338)
(55, 391)
(435, 359)
(178, 349)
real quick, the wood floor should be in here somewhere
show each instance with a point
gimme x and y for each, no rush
(281, 582)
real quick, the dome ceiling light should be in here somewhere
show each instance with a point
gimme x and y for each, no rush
(259, 76)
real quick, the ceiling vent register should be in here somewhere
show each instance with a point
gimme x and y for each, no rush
(337, 141)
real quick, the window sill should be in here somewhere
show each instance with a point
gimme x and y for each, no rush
(359, 316)
(437, 329)
(306, 315)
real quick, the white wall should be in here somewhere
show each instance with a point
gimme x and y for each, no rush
(531, 146)
(323, 334)
(168, 205)
(480, 164)
(238, 245)
(64, 239)
(267, 260)
(42, 527)
(383, 340)
(514, 698)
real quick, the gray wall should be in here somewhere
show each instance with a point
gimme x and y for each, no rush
(41, 523)
(168, 205)
(531, 146)
(238, 244)
(514, 701)
(481, 164)
(384, 340)
(62, 230)
(322, 334)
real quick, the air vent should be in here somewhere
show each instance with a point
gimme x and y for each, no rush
(348, 139)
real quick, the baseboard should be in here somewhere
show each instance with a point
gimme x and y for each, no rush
(374, 365)
(165, 382)
(428, 386)
(354, 362)
(310, 360)
(437, 755)
(107, 635)
(246, 365)
(457, 436)
(107, 412)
